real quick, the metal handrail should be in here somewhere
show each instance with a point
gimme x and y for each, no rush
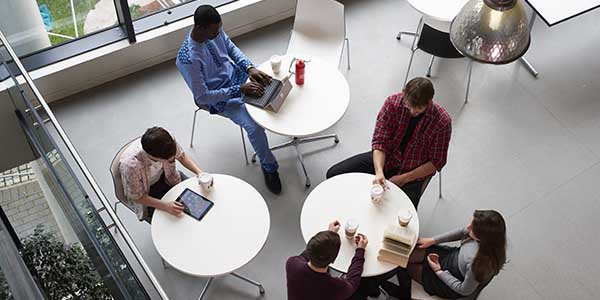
(84, 169)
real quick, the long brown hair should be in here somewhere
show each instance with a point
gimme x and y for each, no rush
(488, 226)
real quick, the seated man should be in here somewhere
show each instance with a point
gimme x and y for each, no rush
(216, 70)
(307, 274)
(148, 172)
(410, 142)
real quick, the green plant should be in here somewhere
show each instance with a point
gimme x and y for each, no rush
(4, 290)
(65, 271)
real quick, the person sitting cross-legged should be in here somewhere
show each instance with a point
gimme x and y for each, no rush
(216, 72)
(307, 274)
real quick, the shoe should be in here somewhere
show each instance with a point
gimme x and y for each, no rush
(390, 288)
(273, 182)
(375, 293)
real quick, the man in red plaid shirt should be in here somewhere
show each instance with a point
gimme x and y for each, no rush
(410, 141)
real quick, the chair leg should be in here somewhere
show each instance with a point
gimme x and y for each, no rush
(348, 51)
(430, 65)
(440, 181)
(412, 55)
(115, 210)
(244, 144)
(413, 49)
(193, 128)
(469, 81)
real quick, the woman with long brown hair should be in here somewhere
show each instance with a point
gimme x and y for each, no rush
(456, 272)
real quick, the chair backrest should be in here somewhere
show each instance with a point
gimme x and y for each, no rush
(437, 43)
(319, 30)
(115, 172)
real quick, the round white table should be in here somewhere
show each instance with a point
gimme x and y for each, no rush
(443, 11)
(348, 196)
(309, 108)
(228, 237)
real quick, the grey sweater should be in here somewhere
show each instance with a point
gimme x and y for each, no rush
(468, 250)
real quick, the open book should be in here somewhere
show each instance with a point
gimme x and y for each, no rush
(397, 244)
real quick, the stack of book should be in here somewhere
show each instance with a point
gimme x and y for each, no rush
(397, 244)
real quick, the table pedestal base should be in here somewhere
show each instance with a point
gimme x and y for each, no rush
(261, 290)
(295, 142)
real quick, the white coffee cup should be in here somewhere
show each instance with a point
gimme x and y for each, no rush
(276, 63)
(404, 217)
(206, 180)
(377, 193)
(350, 228)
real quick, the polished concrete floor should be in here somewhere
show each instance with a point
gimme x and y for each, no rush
(527, 147)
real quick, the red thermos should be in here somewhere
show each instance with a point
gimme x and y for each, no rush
(300, 66)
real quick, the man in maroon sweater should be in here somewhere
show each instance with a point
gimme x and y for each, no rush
(307, 274)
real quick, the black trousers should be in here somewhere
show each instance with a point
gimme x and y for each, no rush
(158, 190)
(363, 163)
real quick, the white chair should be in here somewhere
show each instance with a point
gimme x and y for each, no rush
(417, 292)
(194, 130)
(115, 172)
(320, 30)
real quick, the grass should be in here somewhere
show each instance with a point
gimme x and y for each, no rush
(62, 19)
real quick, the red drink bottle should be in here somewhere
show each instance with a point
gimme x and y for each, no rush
(300, 66)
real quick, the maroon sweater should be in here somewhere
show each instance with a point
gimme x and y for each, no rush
(305, 284)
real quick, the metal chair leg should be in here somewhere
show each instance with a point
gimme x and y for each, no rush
(413, 49)
(399, 36)
(244, 144)
(430, 65)
(412, 55)
(205, 288)
(440, 181)
(115, 209)
(193, 128)
(469, 81)
(348, 51)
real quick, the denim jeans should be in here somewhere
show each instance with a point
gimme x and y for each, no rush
(235, 110)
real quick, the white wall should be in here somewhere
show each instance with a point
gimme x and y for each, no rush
(113, 61)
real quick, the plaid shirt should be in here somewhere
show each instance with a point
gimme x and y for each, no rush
(429, 141)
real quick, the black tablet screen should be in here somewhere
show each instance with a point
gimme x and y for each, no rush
(194, 204)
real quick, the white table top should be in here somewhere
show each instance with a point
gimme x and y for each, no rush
(556, 11)
(348, 196)
(439, 10)
(228, 237)
(311, 108)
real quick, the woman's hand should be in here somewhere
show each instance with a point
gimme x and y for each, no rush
(173, 207)
(434, 262)
(425, 243)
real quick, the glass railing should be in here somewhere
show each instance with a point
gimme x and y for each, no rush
(61, 235)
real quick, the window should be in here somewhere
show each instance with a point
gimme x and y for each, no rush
(34, 25)
(142, 8)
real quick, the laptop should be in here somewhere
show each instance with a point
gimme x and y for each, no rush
(274, 96)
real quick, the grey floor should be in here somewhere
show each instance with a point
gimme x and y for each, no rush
(527, 147)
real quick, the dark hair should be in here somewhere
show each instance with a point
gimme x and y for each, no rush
(206, 15)
(419, 91)
(323, 248)
(157, 142)
(488, 226)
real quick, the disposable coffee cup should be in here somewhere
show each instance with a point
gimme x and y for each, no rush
(377, 193)
(350, 228)
(206, 181)
(404, 217)
(276, 63)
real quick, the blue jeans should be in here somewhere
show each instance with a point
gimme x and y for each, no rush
(235, 110)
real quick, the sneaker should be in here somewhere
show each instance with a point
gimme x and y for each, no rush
(273, 182)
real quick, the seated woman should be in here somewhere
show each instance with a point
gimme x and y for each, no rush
(456, 272)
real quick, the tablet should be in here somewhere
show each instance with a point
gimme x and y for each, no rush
(194, 204)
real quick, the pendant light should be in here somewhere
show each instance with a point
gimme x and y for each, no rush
(491, 31)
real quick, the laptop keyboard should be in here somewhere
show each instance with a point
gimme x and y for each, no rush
(270, 90)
